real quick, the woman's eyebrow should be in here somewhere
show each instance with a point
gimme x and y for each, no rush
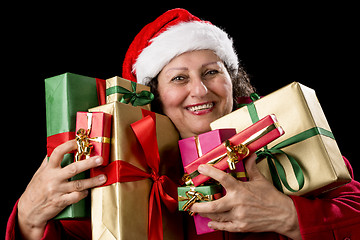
(185, 68)
(210, 63)
(176, 68)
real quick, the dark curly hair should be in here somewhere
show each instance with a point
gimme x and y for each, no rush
(241, 88)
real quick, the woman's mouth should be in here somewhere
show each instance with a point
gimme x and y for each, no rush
(201, 108)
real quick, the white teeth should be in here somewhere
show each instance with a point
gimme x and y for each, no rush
(201, 107)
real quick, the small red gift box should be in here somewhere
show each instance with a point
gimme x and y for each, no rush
(235, 149)
(93, 132)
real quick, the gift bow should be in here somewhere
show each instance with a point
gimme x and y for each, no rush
(136, 99)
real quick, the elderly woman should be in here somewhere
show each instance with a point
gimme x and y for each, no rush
(194, 72)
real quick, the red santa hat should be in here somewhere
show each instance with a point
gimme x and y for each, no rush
(173, 33)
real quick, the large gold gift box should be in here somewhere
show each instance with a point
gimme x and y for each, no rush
(116, 87)
(120, 210)
(297, 110)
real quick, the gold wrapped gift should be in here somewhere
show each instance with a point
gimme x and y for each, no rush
(126, 91)
(120, 210)
(315, 151)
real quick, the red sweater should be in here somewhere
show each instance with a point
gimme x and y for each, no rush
(333, 215)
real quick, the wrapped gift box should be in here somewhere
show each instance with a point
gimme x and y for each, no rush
(301, 116)
(194, 147)
(97, 129)
(67, 94)
(202, 194)
(120, 209)
(241, 145)
(126, 91)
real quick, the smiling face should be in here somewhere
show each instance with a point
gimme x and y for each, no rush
(195, 89)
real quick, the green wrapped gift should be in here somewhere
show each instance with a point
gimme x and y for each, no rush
(66, 95)
(189, 195)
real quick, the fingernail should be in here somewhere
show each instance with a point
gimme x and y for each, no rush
(99, 160)
(201, 168)
(102, 178)
(210, 225)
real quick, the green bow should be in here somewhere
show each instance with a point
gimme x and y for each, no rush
(136, 99)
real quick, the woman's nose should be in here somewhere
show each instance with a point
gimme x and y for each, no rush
(198, 88)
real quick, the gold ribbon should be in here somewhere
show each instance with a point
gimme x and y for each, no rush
(84, 146)
(198, 146)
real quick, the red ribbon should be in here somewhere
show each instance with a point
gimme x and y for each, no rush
(101, 90)
(55, 140)
(163, 188)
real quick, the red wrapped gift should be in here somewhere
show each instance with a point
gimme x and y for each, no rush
(235, 149)
(93, 132)
(194, 147)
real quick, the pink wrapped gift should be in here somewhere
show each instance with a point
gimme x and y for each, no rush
(194, 147)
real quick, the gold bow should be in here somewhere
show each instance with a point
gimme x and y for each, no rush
(193, 196)
(234, 152)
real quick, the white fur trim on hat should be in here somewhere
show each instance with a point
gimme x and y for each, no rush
(181, 38)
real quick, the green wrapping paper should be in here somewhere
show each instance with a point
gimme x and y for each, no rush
(67, 94)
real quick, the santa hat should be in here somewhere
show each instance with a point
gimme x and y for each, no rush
(173, 33)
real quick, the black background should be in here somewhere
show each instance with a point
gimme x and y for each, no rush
(277, 44)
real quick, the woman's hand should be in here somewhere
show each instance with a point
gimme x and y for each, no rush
(253, 206)
(49, 191)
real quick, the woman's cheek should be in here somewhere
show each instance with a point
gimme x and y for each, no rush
(172, 99)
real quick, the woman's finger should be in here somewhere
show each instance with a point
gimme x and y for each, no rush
(223, 226)
(73, 197)
(83, 184)
(80, 166)
(252, 169)
(59, 152)
(219, 217)
(227, 181)
(216, 206)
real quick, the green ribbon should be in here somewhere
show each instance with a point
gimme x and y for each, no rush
(136, 99)
(277, 171)
(251, 107)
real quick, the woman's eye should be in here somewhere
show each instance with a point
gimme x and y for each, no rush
(211, 72)
(178, 79)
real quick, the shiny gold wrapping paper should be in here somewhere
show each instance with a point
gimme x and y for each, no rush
(120, 210)
(297, 109)
(118, 81)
